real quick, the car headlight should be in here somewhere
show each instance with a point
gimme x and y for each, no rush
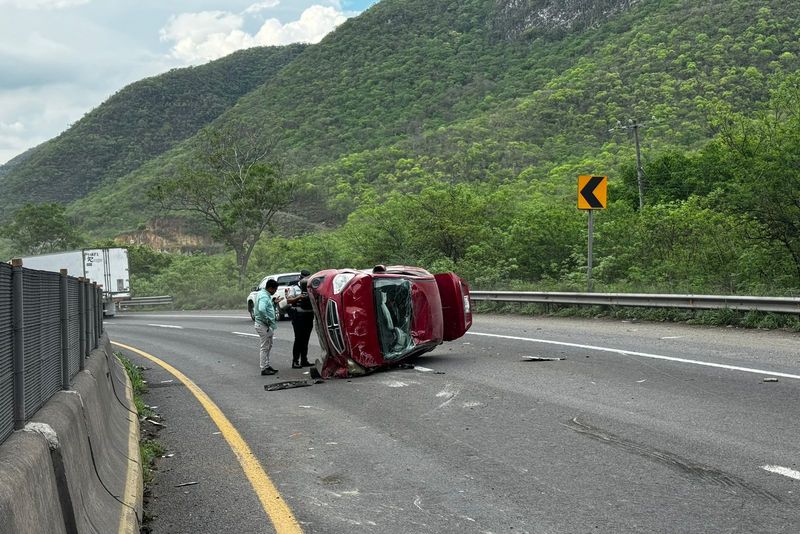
(340, 281)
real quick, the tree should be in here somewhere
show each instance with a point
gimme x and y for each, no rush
(237, 183)
(766, 152)
(41, 229)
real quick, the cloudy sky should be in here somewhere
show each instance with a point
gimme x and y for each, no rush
(61, 58)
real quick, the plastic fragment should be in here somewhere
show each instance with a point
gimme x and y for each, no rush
(289, 384)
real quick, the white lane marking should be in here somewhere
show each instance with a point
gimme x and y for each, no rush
(641, 354)
(166, 326)
(244, 334)
(671, 337)
(785, 471)
(422, 369)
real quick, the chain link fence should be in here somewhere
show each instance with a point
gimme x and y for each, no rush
(49, 322)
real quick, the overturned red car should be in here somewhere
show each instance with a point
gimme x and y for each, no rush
(373, 319)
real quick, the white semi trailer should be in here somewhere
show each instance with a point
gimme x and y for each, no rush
(106, 266)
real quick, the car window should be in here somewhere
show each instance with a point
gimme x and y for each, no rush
(393, 312)
(288, 279)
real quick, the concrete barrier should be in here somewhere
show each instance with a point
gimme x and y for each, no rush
(28, 495)
(89, 479)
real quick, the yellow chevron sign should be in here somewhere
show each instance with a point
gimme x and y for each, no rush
(592, 192)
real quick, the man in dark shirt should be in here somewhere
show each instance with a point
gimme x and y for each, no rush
(302, 321)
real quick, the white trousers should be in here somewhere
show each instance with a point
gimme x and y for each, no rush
(265, 334)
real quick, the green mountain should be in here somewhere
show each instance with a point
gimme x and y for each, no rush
(137, 124)
(472, 91)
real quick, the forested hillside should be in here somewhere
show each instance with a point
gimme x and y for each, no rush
(135, 125)
(450, 133)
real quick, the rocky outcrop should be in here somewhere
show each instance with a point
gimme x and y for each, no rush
(515, 19)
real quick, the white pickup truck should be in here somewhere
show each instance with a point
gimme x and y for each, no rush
(285, 280)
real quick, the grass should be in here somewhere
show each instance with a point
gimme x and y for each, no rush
(149, 449)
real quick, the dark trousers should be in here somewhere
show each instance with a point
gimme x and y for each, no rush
(303, 324)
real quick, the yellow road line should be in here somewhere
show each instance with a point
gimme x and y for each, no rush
(128, 523)
(271, 500)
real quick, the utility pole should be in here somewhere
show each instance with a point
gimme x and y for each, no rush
(635, 125)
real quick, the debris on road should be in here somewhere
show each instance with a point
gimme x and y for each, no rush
(541, 359)
(154, 422)
(186, 484)
(770, 379)
(290, 384)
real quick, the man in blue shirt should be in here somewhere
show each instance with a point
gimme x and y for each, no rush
(265, 324)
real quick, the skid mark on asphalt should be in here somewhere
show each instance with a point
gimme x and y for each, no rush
(729, 483)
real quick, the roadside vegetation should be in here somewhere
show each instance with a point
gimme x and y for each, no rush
(149, 447)
(722, 219)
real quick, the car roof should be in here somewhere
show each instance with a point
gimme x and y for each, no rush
(281, 275)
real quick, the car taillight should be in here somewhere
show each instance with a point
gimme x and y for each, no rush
(467, 303)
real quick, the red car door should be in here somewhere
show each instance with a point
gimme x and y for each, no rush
(456, 306)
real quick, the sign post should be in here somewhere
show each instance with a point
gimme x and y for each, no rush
(592, 195)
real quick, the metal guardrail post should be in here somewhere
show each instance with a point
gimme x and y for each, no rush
(86, 324)
(64, 330)
(93, 293)
(18, 326)
(82, 315)
(99, 313)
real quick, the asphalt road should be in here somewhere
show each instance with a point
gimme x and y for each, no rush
(640, 428)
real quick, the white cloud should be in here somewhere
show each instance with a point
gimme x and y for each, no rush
(204, 36)
(210, 35)
(42, 4)
(262, 6)
(24, 122)
(314, 24)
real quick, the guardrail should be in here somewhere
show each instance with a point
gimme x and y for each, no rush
(698, 302)
(163, 300)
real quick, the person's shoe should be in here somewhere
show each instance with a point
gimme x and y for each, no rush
(306, 364)
(296, 366)
(268, 371)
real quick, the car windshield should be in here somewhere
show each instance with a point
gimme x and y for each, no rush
(288, 280)
(393, 310)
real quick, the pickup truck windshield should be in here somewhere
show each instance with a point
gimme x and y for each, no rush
(393, 311)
